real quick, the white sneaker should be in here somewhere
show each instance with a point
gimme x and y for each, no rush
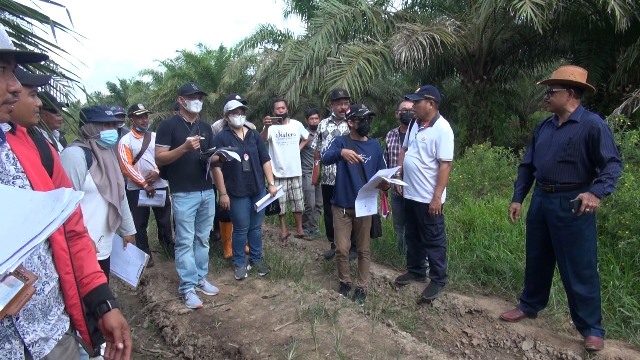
(191, 300)
(206, 287)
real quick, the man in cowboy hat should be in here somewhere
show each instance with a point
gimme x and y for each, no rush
(574, 162)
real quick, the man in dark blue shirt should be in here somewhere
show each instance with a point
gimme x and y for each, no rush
(357, 158)
(574, 162)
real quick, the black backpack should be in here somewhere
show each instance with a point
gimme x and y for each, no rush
(46, 154)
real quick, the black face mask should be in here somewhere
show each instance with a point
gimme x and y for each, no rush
(313, 127)
(406, 117)
(364, 127)
(283, 116)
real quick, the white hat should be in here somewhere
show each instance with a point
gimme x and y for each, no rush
(232, 105)
(21, 56)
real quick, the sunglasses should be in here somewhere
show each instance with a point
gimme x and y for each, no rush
(550, 92)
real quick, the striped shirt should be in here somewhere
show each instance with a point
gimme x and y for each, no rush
(394, 142)
(580, 151)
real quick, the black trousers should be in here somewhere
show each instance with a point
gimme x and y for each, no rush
(141, 221)
(327, 213)
(425, 236)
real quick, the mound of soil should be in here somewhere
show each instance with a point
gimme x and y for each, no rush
(296, 313)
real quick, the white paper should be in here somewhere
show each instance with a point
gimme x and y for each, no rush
(367, 199)
(29, 218)
(158, 199)
(227, 153)
(268, 199)
(127, 263)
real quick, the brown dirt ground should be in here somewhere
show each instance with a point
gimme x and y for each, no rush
(280, 318)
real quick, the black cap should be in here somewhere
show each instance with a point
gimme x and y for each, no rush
(137, 109)
(190, 88)
(30, 79)
(425, 92)
(50, 103)
(338, 93)
(97, 114)
(235, 97)
(21, 56)
(359, 111)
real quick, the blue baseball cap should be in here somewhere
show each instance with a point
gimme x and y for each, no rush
(97, 114)
(118, 110)
(425, 92)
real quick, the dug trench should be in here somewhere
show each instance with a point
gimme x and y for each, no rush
(295, 312)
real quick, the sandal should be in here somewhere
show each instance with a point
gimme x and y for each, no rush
(283, 240)
(303, 237)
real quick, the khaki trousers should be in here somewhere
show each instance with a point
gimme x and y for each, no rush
(344, 222)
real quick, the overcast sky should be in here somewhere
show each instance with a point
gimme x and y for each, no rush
(126, 36)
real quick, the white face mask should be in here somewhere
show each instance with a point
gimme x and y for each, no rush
(236, 121)
(193, 106)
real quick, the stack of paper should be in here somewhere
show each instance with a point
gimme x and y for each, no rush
(367, 199)
(268, 199)
(29, 218)
(127, 263)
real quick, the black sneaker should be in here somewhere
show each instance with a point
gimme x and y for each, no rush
(353, 255)
(359, 296)
(408, 277)
(344, 289)
(330, 254)
(432, 291)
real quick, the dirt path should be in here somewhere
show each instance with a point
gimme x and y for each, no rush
(296, 313)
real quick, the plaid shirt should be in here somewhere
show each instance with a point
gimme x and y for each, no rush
(394, 144)
(328, 130)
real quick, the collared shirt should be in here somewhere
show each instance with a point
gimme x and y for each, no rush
(329, 129)
(43, 321)
(580, 151)
(56, 138)
(426, 146)
(394, 142)
(187, 173)
(239, 183)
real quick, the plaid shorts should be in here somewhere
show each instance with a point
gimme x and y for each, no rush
(293, 194)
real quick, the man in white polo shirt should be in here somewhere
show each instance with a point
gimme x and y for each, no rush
(426, 158)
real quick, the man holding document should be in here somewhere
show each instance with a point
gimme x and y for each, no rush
(136, 155)
(357, 158)
(71, 291)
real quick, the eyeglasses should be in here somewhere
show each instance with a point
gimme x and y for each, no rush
(550, 92)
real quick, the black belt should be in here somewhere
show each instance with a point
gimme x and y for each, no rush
(551, 188)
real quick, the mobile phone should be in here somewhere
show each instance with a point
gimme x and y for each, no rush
(575, 205)
(277, 119)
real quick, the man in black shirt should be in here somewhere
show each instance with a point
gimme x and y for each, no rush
(179, 143)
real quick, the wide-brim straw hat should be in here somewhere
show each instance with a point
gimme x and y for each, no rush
(569, 75)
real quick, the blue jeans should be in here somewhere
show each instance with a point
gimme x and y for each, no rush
(193, 215)
(397, 212)
(247, 228)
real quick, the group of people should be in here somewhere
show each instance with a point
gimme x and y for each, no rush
(572, 157)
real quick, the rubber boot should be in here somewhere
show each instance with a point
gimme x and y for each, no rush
(226, 228)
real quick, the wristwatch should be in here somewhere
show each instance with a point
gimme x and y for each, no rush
(105, 307)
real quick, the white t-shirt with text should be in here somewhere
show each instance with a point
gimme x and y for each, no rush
(284, 148)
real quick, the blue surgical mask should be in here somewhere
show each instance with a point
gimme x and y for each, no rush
(142, 129)
(108, 138)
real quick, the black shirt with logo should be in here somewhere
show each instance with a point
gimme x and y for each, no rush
(188, 172)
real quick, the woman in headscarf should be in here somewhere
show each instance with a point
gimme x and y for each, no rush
(241, 184)
(92, 166)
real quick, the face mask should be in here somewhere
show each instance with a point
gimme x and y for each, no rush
(406, 117)
(363, 128)
(236, 121)
(283, 116)
(108, 138)
(142, 129)
(194, 106)
(313, 127)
